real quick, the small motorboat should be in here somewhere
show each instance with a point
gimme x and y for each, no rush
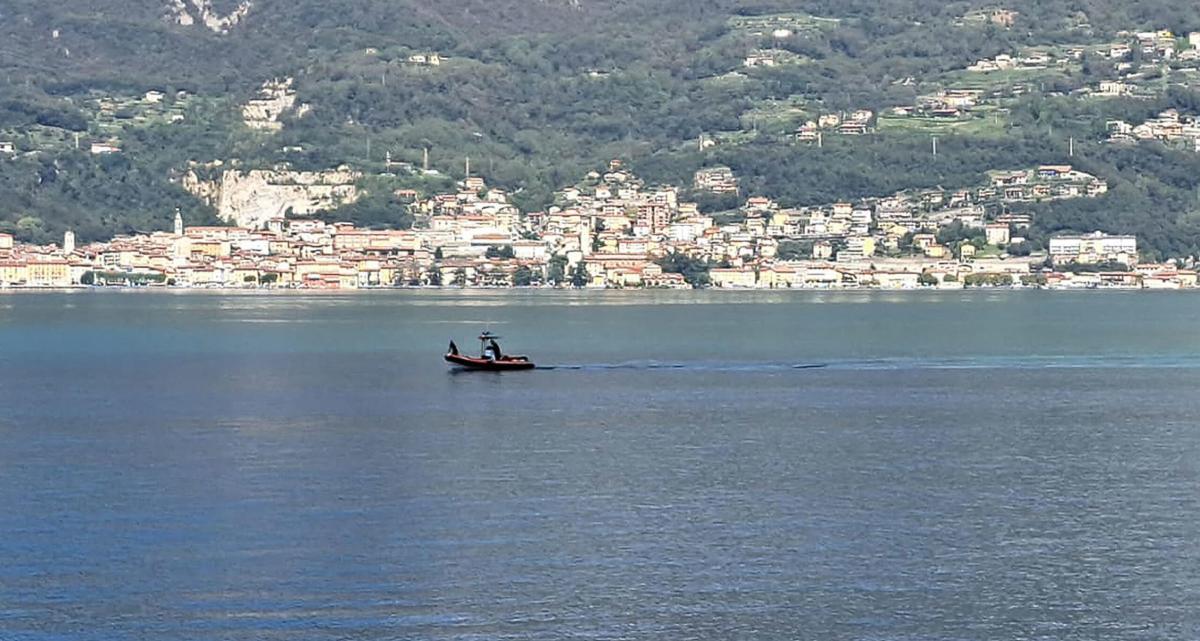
(490, 357)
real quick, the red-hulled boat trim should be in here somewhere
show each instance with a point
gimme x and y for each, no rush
(500, 365)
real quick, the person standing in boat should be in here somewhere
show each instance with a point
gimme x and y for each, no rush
(489, 353)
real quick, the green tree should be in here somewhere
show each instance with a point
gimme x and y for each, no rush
(556, 272)
(988, 280)
(794, 249)
(579, 275)
(522, 276)
(695, 272)
(499, 251)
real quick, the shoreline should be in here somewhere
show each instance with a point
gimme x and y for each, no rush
(285, 291)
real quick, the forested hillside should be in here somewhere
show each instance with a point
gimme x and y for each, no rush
(536, 92)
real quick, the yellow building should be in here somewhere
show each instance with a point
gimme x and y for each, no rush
(13, 272)
(777, 276)
(245, 275)
(733, 277)
(209, 248)
(49, 273)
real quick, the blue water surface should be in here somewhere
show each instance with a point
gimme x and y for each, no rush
(712, 465)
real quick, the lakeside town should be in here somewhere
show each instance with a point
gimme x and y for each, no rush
(612, 230)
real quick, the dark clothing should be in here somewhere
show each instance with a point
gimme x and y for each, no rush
(453, 348)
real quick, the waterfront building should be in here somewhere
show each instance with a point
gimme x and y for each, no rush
(48, 272)
(1093, 248)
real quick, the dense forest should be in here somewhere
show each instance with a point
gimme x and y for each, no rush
(539, 92)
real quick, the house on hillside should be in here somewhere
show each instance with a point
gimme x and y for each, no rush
(110, 147)
(432, 59)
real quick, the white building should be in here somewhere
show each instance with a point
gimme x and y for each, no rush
(1096, 247)
(997, 234)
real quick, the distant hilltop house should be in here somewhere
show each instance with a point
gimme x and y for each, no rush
(997, 16)
(1169, 126)
(1160, 43)
(1114, 88)
(852, 128)
(7, 147)
(1032, 59)
(1003, 17)
(432, 59)
(718, 180)
(1047, 182)
(760, 59)
(861, 115)
(771, 58)
(107, 147)
(808, 132)
(999, 63)
(1119, 51)
(949, 100)
(856, 123)
(829, 121)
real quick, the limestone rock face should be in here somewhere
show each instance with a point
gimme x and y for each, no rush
(189, 12)
(275, 98)
(251, 198)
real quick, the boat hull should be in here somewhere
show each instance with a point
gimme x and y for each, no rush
(483, 364)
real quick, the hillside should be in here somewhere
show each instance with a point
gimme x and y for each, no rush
(538, 92)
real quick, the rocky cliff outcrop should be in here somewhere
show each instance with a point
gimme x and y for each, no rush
(275, 98)
(251, 198)
(190, 12)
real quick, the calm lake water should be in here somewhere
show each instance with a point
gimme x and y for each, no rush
(1009, 465)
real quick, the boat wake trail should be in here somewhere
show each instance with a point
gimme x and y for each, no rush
(1029, 362)
(700, 367)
